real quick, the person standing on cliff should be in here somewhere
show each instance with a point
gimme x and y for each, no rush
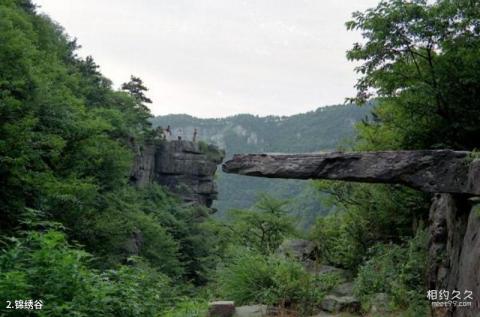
(195, 135)
(168, 133)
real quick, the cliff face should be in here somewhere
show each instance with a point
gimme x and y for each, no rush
(454, 220)
(455, 250)
(185, 167)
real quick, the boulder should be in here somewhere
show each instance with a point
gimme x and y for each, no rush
(337, 304)
(298, 249)
(341, 299)
(380, 303)
(344, 289)
(320, 269)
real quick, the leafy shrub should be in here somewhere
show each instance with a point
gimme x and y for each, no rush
(44, 266)
(366, 214)
(252, 278)
(398, 270)
(188, 308)
(263, 227)
(212, 152)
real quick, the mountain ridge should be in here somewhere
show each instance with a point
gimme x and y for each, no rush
(323, 129)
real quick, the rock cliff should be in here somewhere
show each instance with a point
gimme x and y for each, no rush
(185, 167)
(454, 221)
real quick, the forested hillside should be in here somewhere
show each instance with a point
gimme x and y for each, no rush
(79, 238)
(69, 220)
(325, 129)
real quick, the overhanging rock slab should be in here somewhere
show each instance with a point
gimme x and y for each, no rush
(433, 171)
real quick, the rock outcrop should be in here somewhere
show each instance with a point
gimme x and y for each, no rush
(299, 249)
(455, 252)
(185, 167)
(454, 223)
(341, 299)
(441, 171)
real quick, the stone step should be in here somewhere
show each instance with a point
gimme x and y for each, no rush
(251, 311)
(221, 309)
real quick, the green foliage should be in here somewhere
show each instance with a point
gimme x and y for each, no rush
(399, 270)
(136, 89)
(188, 308)
(213, 153)
(472, 156)
(264, 227)
(44, 266)
(252, 278)
(364, 216)
(64, 132)
(67, 142)
(421, 60)
(127, 226)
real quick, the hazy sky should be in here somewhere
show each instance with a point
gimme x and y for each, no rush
(213, 58)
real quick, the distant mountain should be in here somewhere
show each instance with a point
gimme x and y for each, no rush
(321, 130)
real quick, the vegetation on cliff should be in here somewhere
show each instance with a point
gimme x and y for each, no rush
(75, 233)
(420, 61)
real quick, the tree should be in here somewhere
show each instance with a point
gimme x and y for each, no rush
(137, 90)
(264, 227)
(421, 62)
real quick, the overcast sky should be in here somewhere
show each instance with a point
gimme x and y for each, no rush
(213, 58)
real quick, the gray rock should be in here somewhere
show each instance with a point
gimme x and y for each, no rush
(344, 289)
(182, 167)
(251, 311)
(454, 251)
(380, 303)
(432, 171)
(143, 168)
(337, 304)
(326, 314)
(134, 244)
(298, 249)
(320, 269)
(221, 309)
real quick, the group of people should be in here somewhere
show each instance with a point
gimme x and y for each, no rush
(168, 135)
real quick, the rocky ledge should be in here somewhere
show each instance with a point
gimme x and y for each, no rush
(440, 171)
(185, 167)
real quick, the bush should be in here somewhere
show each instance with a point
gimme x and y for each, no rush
(212, 152)
(264, 226)
(44, 266)
(188, 308)
(366, 214)
(398, 270)
(253, 278)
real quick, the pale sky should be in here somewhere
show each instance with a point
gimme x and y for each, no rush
(214, 58)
